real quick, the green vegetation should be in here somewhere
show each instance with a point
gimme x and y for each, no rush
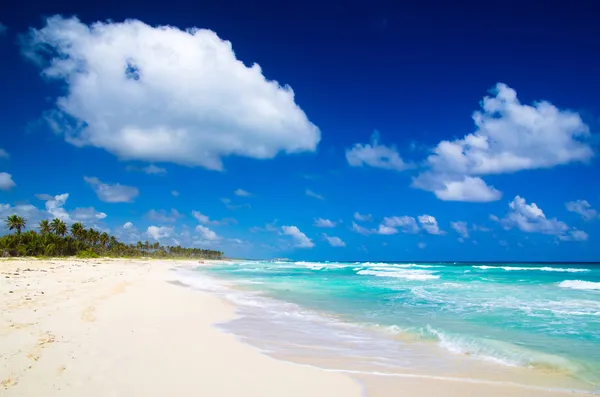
(55, 239)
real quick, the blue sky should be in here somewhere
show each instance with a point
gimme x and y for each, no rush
(331, 130)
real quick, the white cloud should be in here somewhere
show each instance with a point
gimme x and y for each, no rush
(30, 212)
(206, 233)
(386, 230)
(408, 224)
(421, 245)
(150, 169)
(54, 206)
(509, 137)
(242, 193)
(530, 218)
(320, 222)
(310, 193)
(429, 224)
(575, 235)
(467, 188)
(6, 181)
(163, 94)
(360, 229)
(232, 206)
(375, 155)
(4, 154)
(301, 241)
(363, 217)
(583, 208)
(159, 232)
(205, 219)
(153, 170)
(164, 216)
(461, 228)
(128, 225)
(334, 241)
(174, 193)
(87, 214)
(112, 193)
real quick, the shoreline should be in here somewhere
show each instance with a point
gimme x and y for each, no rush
(122, 326)
(117, 327)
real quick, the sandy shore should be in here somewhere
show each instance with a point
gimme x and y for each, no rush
(120, 328)
(117, 328)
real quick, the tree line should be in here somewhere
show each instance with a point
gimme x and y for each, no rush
(55, 238)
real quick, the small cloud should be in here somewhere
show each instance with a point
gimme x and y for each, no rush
(421, 245)
(150, 169)
(232, 206)
(334, 241)
(164, 216)
(3, 29)
(310, 193)
(159, 232)
(583, 209)
(6, 181)
(408, 224)
(174, 193)
(430, 225)
(269, 227)
(205, 219)
(360, 229)
(375, 155)
(87, 214)
(363, 217)
(242, 193)
(320, 222)
(310, 177)
(461, 228)
(386, 230)
(128, 225)
(4, 154)
(206, 233)
(574, 235)
(301, 240)
(115, 193)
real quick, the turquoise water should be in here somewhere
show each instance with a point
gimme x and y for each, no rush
(541, 316)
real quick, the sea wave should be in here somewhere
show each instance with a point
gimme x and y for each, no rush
(579, 284)
(501, 352)
(543, 269)
(406, 274)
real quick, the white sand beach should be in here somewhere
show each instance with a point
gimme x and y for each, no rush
(120, 328)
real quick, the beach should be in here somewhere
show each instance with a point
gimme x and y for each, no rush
(119, 327)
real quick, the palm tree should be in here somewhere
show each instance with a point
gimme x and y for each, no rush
(58, 227)
(76, 230)
(44, 226)
(15, 222)
(94, 236)
(104, 239)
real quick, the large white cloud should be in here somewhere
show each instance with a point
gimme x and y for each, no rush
(6, 181)
(509, 137)
(375, 155)
(300, 239)
(115, 193)
(164, 94)
(530, 218)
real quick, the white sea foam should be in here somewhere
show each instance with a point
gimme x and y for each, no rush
(579, 284)
(543, 269)
(406, 274)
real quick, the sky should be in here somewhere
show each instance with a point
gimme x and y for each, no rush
(355, 130)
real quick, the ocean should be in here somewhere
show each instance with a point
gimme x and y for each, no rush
(527, 323)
